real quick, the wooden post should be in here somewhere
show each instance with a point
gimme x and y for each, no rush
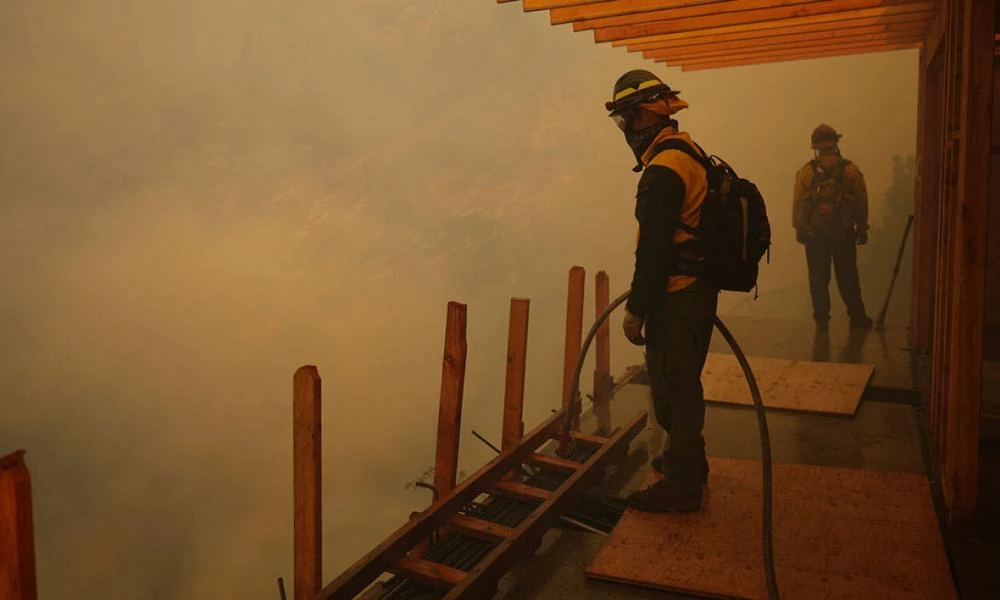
(17, 537)
(603, 381)
(307, 483)
(574, 338)
(965, 380)
(517, 351)
(450, 409)
(928, 115)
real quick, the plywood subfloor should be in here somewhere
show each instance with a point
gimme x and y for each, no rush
(839, 534)
(804, 386)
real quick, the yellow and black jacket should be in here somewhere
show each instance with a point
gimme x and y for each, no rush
(670, 192)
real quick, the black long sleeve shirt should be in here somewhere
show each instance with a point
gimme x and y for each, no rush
(658, 205)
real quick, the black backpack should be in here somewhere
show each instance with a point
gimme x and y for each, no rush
(734, 232)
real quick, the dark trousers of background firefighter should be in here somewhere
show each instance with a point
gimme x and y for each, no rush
(678, 332)
(843, 254)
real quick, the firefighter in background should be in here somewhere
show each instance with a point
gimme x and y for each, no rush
(830, 216)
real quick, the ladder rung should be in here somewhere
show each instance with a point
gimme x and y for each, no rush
(428, 572)
(521, 491)
(478, 528)
(553, 462)
(593, 440)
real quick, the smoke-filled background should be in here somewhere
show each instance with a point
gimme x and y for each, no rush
(199, 197)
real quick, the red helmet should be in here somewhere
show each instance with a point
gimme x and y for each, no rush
(824, 137)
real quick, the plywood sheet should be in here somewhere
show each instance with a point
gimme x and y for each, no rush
(841, 534)
(804, 386)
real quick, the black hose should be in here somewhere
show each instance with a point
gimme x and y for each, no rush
(565, 446)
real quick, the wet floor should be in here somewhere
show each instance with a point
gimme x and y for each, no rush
(884, 434)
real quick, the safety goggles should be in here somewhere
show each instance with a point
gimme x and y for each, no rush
(624, 116)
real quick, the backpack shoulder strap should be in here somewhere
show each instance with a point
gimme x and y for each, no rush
(675, 144)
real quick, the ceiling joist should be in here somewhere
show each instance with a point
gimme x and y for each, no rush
(739, 61)
(703, 34)
(820, 12)
(599, 10)
(818, 29)
(873, 45)
(806, 40)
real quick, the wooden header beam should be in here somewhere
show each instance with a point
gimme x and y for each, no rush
(707, 27)
(699, 37)
(801, 41)
(769, 18)
(754, 60)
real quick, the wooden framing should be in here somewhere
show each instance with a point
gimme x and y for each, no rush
(307, 483)
(824, 39)
(17, 537)
(797, 52)
(517, 352)
(693, 38)
(574, 339)
(748, 9)
(965, 380)
(603, 382)
(450, 408)
(819, 12)
(759, 59)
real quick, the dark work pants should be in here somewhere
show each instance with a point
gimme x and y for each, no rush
(844, 256)
(678, 332)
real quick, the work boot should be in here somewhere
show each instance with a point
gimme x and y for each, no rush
(657, 464)
(666, 497)
(864, 322)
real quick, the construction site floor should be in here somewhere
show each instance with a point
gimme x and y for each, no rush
(884, 434)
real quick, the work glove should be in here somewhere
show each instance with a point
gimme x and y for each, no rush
(863, 237)
(633, 328)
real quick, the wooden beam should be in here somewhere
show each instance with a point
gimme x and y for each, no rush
(795, 55)
(708, 26)
(713, 37)
(356, 578)
(768, 17)
(603, 381)
(533, 5)
(574, 339)
(517, 351)
(936, 29)
(673, 13)
(590, 440)
(450, 409)
(923, 222)
(521, 491)
(478, 528)
(307, 482)
(596, 10)
(553, 462)
(428, 573)
(738, 48)
(501, 558)
(17, 537)
(972, 231)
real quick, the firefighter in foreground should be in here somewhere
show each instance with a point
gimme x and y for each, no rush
(668, 298)
(830, 216)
